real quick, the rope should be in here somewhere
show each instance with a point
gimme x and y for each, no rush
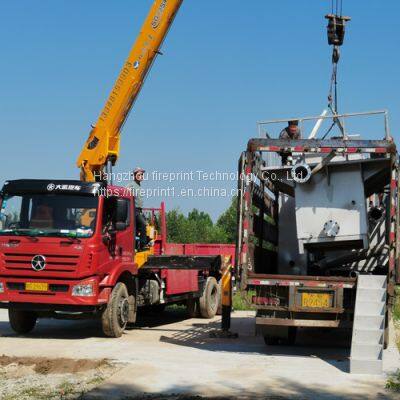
(333, 88)
(337, 7)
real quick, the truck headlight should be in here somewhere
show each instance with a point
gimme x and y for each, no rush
(84, 290)
(1, 287)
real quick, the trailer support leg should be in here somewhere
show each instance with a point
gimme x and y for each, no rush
(226, 300)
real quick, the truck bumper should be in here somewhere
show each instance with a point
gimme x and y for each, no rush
(59, 293)
(51, 308)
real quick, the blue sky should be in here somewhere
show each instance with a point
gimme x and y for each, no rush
(227, 65)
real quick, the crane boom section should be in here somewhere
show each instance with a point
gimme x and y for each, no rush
(103, 143)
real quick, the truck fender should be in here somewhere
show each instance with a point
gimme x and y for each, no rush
(111, 279)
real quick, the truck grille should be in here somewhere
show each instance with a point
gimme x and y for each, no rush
(54, 262)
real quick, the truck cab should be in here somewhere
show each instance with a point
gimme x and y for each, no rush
(67, 249)
(63, 246)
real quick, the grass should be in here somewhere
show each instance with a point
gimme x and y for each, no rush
(66, 389)
(34, 392)
(96, 381)
(242, 301)
(393, 382)
(396, 316)
(396, 309)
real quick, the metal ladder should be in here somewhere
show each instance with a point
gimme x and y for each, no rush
(369, 325)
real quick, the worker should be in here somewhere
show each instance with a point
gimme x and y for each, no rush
(138, 176)
(291, 132)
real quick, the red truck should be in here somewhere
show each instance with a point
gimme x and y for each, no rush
(67, 248)
(67, 251)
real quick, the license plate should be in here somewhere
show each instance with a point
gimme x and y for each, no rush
(316, 300)
(36, 286)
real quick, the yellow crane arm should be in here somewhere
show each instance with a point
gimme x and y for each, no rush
(102, 146)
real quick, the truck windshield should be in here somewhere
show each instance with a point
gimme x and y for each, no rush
(48, 215)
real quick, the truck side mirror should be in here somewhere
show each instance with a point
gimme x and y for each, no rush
(120, 226)
(121, 214)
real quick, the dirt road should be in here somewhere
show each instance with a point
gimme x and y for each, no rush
(172, 354)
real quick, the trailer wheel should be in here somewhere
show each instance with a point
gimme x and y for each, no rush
(271, 340)
(210, 299)
(289, 338)
(158, 308)
(22, 321)
(116, 315)
(192, 307)
(292, 333)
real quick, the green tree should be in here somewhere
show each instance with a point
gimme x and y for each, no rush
(198, 226)
(228, 220)
(175, 226)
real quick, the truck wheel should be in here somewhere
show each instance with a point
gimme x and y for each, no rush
(192, 308)
(22, 321)
(209, 301)
(271, 340)
(116, 315)
(292, 333)
(158, 308)
(289, 339)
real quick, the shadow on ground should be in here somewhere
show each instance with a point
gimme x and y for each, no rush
(332, 346)
(148, 319)
(273, 390)
(83, 329)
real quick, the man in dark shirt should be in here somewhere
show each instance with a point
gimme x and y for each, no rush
(291, 132)
(134, 187)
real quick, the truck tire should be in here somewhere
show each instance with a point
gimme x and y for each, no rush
(116, 315)
(209, 301)
(292, 333)
(288, 339)
(271, 340)
(158, 308)
(192, 308)
(22, 321)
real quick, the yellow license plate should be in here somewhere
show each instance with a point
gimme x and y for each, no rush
(316, 300)
(36, 286)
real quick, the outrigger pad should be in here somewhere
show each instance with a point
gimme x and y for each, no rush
(184, 262)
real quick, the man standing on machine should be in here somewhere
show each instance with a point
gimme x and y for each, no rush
(291, 132)
(134, 187)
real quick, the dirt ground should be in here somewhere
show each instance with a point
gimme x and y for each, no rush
(37, 378)
(47, 366)
(170, 357)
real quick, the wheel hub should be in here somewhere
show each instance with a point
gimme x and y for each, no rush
(213, 298)
(123, 311)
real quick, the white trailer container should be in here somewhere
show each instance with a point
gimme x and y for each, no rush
(307, 231)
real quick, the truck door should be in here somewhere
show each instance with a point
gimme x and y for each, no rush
(118, 222)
